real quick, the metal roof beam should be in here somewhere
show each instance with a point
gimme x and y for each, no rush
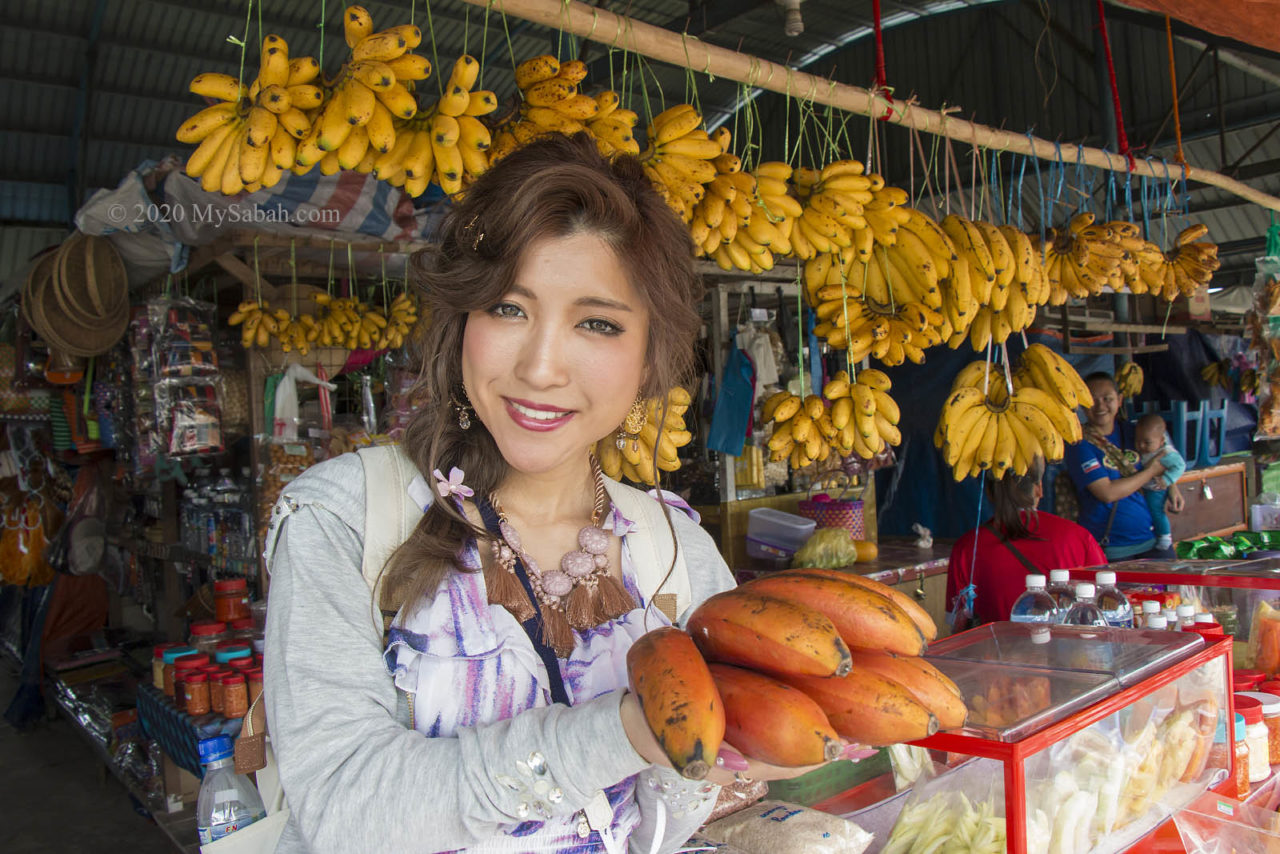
(192, 102)
(708, 15)
(141, 46)
(164, 144)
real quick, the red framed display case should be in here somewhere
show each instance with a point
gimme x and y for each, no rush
(1094, 711)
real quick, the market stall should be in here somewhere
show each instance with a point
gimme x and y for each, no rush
(904, 309)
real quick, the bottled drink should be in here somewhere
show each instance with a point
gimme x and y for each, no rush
(1186, 616)
(1170, 615)
(1035, 605)
(1085, 612)
(1205, 619)
(1113, 603)
(1149, 607)
(228, 801)
(1060, 589)
(1157, 621)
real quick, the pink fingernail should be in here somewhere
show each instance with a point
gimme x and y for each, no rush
(856, 752)
(731, 761)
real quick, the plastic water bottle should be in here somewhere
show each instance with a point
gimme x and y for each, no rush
(1085, 612)
(1061, 590)
(1171, 615)
(1113, 603)
(1158, 622)
(1149, 607)
(1035, 605)
(1186, 616)
(228, 801)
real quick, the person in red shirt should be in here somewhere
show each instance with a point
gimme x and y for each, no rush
(997, 556)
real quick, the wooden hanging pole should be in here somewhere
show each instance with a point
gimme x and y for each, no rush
(687, 51)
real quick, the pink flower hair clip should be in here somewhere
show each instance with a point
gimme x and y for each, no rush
(452, 485)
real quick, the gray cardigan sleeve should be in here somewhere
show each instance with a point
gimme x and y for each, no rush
(358, 780)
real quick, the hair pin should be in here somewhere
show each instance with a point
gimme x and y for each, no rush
(471, 226)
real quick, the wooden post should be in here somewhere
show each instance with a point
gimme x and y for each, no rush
(686, 51)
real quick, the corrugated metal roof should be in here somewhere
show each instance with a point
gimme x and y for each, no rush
(1001, 63)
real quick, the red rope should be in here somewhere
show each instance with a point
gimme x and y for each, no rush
(1173, 82)
(881, 82)
(1115, 89)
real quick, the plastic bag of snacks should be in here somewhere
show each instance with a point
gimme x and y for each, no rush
(192, 413)
(283, 461)
(961, 810)
(776, 827)
(182, 345)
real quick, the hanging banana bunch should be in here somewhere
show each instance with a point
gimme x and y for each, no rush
(659, 440)
(1129, 379)
(863, 414)
(802, 428)
(729, 226)
(986, 426)
(402, 316)
(679, 160)
(247, 139)
(1044, 369)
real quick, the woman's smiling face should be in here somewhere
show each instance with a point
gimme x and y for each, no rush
(555, 365)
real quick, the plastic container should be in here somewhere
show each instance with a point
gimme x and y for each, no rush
(206, 635)
(195, 694)
(1149, 607)
(157, 663)
(1257, 676)
(1236, 746)
(255, 683)
(243, 631)
(1256, 736)
(1271, 718)
(182, 668)
(242, 665)
(1157, 622)
(235, 696)
(1035, 605)
(228, 801)
(1085, 612)
(1113, 604)
(1269, 687)
(1205, 618)
(781, 530)
(1061, 589)
(216, 694)
(171, 655)
(767, 551)
(231, 599)
(228, 654)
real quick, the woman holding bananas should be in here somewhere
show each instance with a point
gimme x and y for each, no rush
(1104, 468)
(495, 715)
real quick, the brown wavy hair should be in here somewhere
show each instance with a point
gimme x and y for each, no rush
(554, 187)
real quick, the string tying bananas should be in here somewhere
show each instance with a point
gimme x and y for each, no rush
(658, 440)
(248, 138)
(1129, 379)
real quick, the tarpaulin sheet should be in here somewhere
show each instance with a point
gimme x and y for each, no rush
(1250, 21)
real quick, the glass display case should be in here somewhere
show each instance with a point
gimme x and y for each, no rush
(1082, 739)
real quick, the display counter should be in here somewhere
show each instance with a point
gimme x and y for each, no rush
(1100, 734)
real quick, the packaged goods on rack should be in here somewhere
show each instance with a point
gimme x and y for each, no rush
(183, 341)
(282, 462)
(145, 433)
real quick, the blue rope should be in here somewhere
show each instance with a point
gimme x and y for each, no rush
(1146, 219)
(1040, 187)
(1062, 174)
(1111, 192)
(995, 187)
(1128, 194)
(1021, 174)
(1080, 186)
(970, 591)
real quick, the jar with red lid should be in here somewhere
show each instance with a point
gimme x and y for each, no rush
(1256, 736)
(1255, 676)
(182, 668)
(157, 664)
(207, 634)
(235, 696)
(255, 683)
(170, 656)
(243, 665)
(195, 693)
(1268, 687)
(242, 631)
(231, 599)
(216, 690)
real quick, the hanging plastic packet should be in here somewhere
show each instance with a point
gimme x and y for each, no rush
(285, 423)
(368, 413)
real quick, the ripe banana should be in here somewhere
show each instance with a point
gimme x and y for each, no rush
(764, 633)
(864, 618)
(867, 708)
(927, 684)
(910, 606)
(773, 722)
(679, 699)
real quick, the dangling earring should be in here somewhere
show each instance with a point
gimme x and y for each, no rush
(464, 409)
(632, 425)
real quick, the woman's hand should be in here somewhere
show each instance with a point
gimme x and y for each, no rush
(1174, 502)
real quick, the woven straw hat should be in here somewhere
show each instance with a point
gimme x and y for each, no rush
(78, 301)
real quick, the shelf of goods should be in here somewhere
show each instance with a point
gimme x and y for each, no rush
(1078, 739)
(84, 695)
